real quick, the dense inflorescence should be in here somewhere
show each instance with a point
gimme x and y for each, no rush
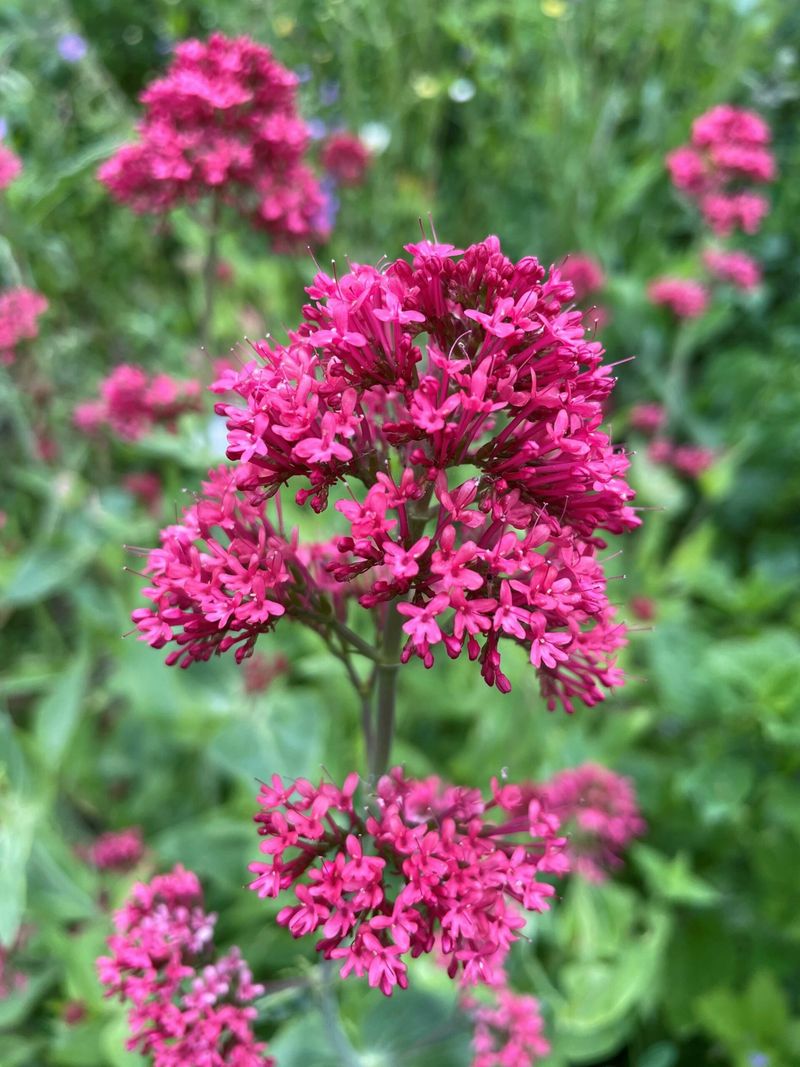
(222, 122)
(736, 268)
(20, 309)
(132, 403)
(425, 867)
(228, 573)
(599, 813)
(187, 1005)
(508, 1028)
(345, 157)
(116, 850)
(729, 149)
(455, 405)
(10, 167)
(685, 298)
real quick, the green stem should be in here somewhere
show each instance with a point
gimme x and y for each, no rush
(386, 674)
(210, 273)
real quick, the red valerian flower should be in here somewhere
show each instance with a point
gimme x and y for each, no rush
(116, 850)
(222, 122)
(459, 402)
(647, 417)
(429, 866)
(10, 167)
(20, 309)
(584, 272)
(737, 268)
(186, 1006)
(132, 402)
(729, 149)
(345, 157)
(685, 298)
(509, 1029)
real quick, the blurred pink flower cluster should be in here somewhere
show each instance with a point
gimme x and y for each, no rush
(345, 157)
(116, 850)
(222, 122)
(132, 402)
(486, 478)
(10, 167)
(428, 867)
(20, 309)
(690, 460)
(729, 149)
(736, 268)
(587, 277)
(685, 298)
(509, 1029)
(599, 814)
(186, 1005)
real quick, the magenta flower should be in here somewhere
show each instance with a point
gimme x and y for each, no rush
(10, 166)
(473, 459)
(649, 418)
(737, 268)
(117, 850)
(185, 1005)
(345, 157)
(685, 298)
(222, 122)
(131, 403)
(19, 310)
(426, 869)
(597, 809)
(509, 1029)
(729, 149)
(692, 460)
(584, 272)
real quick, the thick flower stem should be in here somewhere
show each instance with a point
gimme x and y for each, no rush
(386, 672)
(210, 273)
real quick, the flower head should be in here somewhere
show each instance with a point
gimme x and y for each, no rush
(585, 273)
(19, 310)
(345, 157)
(432, 866)
(454, 406)
(509, 1029)
(10, 166)
(185, 1005)
(685, 298)
(221, 122)
(132, 402)
(117, 850)
(737, 268)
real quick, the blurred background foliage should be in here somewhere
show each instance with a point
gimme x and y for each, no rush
(546, 123)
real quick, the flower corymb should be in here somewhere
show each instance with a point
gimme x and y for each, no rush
(432, 866)
(452, 406)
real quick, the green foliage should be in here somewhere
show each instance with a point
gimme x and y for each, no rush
(689, 954)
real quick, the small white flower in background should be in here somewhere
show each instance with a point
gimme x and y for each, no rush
(461, 90)
(376, 136)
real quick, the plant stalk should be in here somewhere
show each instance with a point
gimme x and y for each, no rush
(210, 273)
(386, 695)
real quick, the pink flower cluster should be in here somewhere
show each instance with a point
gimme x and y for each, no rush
(260, 671)
(737, 268)
(647, 417)
(685, 298)
(10, 167)
(117, 850)
(486, 477)
(19, 310)
(691, 460)
(729, 148)
(587, 277)
(599, 813)
(345, 157)
(425, 868)
(509, 1029)
(186, 1006)
(227, 573)
(132, 402)
(222, 122)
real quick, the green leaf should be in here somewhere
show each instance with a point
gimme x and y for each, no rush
(58, 713)
(672, 879)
